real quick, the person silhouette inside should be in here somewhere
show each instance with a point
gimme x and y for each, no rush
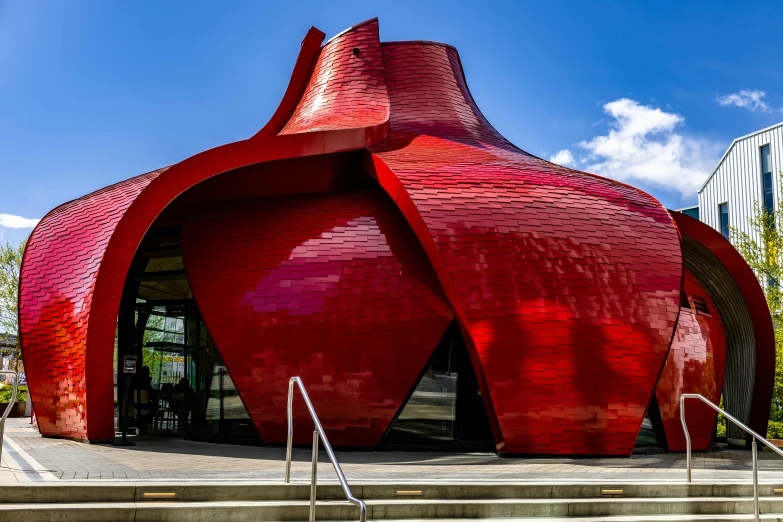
(182, 400)
(146, 398)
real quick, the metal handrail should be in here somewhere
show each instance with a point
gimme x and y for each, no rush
(754, 446)
(8, 408)
(327, 447)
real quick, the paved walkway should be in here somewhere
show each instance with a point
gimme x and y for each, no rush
(29, 457)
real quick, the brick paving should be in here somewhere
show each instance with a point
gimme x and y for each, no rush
(176, 459)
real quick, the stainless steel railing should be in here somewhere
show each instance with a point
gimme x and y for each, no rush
(328, 447)
(8, 408)
(754, 446)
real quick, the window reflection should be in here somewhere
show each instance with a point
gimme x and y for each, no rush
(183, 387)
(446, 407)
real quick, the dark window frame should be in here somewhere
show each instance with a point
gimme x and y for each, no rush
(699, 304)
(768, 197)
(724, 227)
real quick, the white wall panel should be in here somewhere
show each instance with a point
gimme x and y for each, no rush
(738, 181)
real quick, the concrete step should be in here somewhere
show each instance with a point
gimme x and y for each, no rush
(647, 518)
(95, 491)
(600, 507)
(407, 509)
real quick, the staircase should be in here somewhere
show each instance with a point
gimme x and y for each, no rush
(238, 502)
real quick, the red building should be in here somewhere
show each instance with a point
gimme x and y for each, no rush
(431, 283)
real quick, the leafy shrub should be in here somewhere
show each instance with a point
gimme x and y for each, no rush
(720, 431)
(775, 430)
(6, 391)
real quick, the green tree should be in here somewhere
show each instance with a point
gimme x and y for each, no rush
(10, 265)
(762, 249)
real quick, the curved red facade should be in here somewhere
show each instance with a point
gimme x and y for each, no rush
(333, 288)
(346, 89)
(543, 264)
(61, 265)
(695, 364)
(566, 286)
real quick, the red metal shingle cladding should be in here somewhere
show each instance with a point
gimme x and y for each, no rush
(60, 265)
(346, 89)
(566, 285)
(569, 283)
(695, 364)
(333, 288)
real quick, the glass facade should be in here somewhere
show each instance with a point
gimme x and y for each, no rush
(723, 214)
(647, 438)
(766, 176)
(651, 434)
(182, 387)
(446, 407)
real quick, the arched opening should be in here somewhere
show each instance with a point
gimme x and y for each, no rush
(182, 386)
(740, 370)
(300, 267)
(445, 409)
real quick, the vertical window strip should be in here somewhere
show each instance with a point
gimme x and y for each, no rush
(766, 176)
(723, 212)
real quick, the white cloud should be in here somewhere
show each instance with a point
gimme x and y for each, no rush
(11, 221)
(563, 157)
(642, 145)
(747, 99)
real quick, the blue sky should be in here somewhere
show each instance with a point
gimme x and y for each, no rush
(93, 92)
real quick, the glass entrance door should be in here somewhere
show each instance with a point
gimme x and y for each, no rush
(165, 392)
(183, 387)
